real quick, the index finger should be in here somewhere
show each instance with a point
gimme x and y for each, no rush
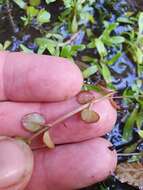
(32, 77)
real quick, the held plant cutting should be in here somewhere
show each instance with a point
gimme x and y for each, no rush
(104, 38)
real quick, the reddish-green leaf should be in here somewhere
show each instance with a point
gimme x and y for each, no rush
(48, 141)
(33, 122)
(89, 116)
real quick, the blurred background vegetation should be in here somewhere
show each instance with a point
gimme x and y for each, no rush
(105, 39)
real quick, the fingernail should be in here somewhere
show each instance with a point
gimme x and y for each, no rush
(16, 163)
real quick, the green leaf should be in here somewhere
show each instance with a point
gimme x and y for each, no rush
(35, 2)
(128, 128)
(139, 55)
(103, 187)
(94, 88)
(76, 48)
(117, 39)
(86, 16)
(2, 1)
(106, 74)
(43, 16)
(139, 120)
(90, 71)
(100, 47)
(1, 47)
(50, 1)
(48, 44)
(31, 12)
(114, 58)
(6, 44)
(109, 28)
(111, 40)
(125, 19)
(74, 25)
(41, 49)
(68, 3)
(66, 51)
(25, 49)
(140, 23)
(140, 132)
(22, 4)
(131, 148)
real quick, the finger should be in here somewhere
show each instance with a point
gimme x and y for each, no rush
(16, 164)
(70, 130)
(73, 166)
(32, 77)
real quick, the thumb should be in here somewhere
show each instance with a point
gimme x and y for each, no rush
(16, 164)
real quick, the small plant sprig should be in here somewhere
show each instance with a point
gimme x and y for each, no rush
(35, 122)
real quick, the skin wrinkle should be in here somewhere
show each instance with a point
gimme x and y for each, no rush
(65, 125)
(27, 83)
(42, 110)
(12, 79)
(44, 158)
(3, 74)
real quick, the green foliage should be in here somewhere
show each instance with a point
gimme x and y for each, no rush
(90, 71)
(57, 47)
(76, 14)
(108, 39)
(35, 2)
(100, 47)
(22, 4)
(106, 74)
(50, 1)
(47, 44)
(128, 128)
(25, 49)
(43, 16)
(2, 1)
(134, 42)
(5, 46)
(32, 12)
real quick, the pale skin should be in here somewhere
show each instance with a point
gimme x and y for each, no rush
(49, 85)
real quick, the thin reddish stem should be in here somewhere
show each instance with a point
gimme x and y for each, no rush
(66, 116)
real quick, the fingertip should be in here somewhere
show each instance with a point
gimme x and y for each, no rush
(16, 164)
(41, 78)
(73, 166)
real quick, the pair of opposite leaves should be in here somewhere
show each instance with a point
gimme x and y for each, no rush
(34, 122)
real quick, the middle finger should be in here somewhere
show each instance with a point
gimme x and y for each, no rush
(72, 129)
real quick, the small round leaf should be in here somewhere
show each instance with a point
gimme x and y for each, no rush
(85, 97)
(89, 116)
(48, 141)
(33, 122)
(43, 17)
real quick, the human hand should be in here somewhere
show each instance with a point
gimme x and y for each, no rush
(26, 80)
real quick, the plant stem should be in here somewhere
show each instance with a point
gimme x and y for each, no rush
(66, 116)
(119, 97)
(73, 37)
(14, 27)
(130, 154)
